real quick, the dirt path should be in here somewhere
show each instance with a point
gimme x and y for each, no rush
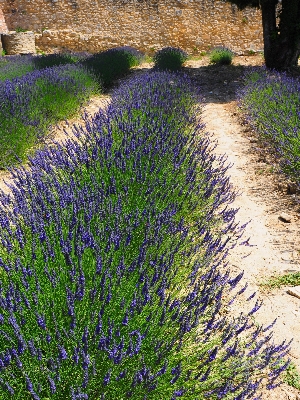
(273, 245)
(269, 237)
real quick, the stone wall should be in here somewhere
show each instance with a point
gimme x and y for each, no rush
(3, 26)
(18, 43)
(94, 25)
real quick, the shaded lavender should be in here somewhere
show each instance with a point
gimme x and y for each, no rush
(270, 100)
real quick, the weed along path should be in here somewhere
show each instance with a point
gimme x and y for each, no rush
(273, 243)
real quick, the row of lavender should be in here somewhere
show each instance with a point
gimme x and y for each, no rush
(31, 104)
(55, 89)
(16, 66)
(271, 101)
(113, 263)
(119, 58)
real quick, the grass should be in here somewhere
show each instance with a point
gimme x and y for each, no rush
(197, 57)
(148, 59)
(292, 377)
(291, 279)
(19, 29)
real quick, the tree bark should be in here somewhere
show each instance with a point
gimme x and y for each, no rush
(282, 42)
(268, 11)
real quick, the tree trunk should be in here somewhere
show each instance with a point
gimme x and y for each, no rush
(268, 11)
(281, 43)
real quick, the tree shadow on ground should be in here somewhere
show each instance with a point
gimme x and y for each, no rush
(218, 83)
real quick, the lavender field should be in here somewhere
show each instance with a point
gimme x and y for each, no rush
(39, 91)
(271, 102)
(114, 281)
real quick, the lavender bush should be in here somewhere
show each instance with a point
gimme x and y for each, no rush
(107, 65)
(112, 279)
(16, 66)
(31, 103)
(52, 60)
(170, 58)
(113, 63)
(34, 101)
(271, 102)
(221, 56)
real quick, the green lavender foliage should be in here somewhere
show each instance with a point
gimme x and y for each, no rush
(113, 63)
(112, 262)
(33, 102)
(221, 56)
(271, 103)
(55, 89)
(15, 66)
(169, 58)
(51, 60)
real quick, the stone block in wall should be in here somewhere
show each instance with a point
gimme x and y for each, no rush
(18, 43)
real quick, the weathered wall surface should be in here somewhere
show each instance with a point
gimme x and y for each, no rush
(94, 25)
(3, 26)
(19, 43)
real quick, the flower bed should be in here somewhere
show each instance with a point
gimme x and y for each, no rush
(32, 102)
(107, 65)
(112, 247)
(17, 66)
(271, 102)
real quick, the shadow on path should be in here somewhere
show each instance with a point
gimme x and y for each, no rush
(218, 83)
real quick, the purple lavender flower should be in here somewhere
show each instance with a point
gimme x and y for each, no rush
(41, 321)
(62, 353)
(178, 393)
(52, 385)
(30, 388)
(9, 388)
(106, 378)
